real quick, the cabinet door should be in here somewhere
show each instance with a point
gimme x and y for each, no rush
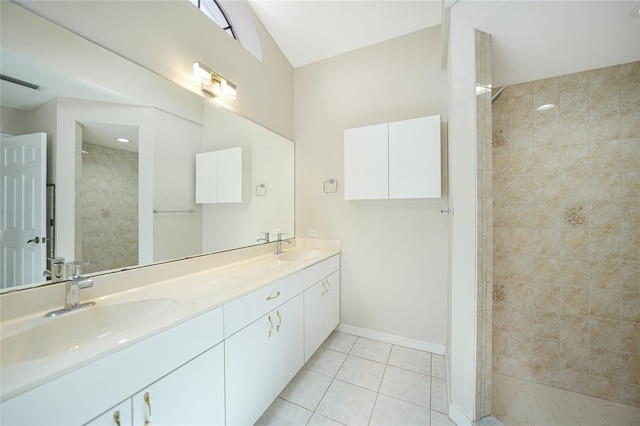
(120, 415)
(414, 158)
(249, 371)
(313, 318)
(191, 395)
(288, 342)
(331, 303)
(366, 165)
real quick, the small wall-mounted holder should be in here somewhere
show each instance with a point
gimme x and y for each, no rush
(330, 186)
(261, 190)
(448, 211)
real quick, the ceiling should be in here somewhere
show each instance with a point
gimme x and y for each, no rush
(308, 31)
(531, 39)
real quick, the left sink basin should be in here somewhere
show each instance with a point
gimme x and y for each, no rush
(75, 330)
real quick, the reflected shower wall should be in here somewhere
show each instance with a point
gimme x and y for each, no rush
(107, 208)
(566, 216)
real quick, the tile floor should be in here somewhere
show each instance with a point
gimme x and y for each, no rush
(517, 402)
(351, 380)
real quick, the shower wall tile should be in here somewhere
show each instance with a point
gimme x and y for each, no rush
(566, 232)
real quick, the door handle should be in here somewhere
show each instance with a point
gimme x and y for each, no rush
(34, 240)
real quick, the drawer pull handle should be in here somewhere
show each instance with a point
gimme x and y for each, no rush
(279, 321)
(273, 297)
(116, 418)
(270, 325)
(328, 285)
(147, 401)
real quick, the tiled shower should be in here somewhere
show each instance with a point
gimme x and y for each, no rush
(566, 232)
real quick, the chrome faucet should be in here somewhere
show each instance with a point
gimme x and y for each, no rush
(56, 273)
(280, 241)
(265, 239)
(74, 283)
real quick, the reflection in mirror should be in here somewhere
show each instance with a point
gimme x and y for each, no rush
(116, 209)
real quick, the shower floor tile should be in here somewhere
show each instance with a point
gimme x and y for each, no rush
(520, 403)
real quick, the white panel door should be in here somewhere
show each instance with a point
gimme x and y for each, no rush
(414, 158)
(366, 163)
(23, 161)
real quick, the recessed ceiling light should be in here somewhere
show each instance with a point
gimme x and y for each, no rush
(545, 107)
(123, 140)
(635, 12)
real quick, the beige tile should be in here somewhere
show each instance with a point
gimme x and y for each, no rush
(630, 185)
(575, 330)
(630, 123)
(371, 349)
(547, 132)
(630, 154)
(407, 385)
(326, 361)
(516, 90)
(629, 92)
(576, 187)
(630, 243)
(574, 301)
(575, 357)
(547, 242)
(575, 243)
(630, 276)
(547, 187)
(604, 155)
(546, 324)
(630, 369)
(601, 387)
(574, 129)
(410, 359)
(604, 215)
(629, 215)
(546, 354)
(439, 395)
(546, 159)
(440, 419)
(575, 159)
(630, 333)
(604, 74)
(361, 372)
(347, 404)
(282, 412)
(574, 272)
(605, 245)
(604, 126)
(574, 99)
(604, 96)
(520, 369)
(306, 389)
(318, 420)
(606, 185)
(605, 363)
(631, 307)
(438, 366)
(390, 411)
(521, 134)
(605, 273)
(340, 342)
(604, 333)
(605, 303)
(630, 394)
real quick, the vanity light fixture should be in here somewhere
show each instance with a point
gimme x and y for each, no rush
(212, 83)
(123, 140)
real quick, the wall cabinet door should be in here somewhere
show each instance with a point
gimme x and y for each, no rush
(191, 395)
(414, 158)
(223, 176)
(321, 312)
(366, 165)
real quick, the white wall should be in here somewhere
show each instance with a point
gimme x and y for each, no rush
(394, 259)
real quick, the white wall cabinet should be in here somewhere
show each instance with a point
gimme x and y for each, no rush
(191, 395)
(261, 359)
(223, 176)
(321, 312)
(398, 160)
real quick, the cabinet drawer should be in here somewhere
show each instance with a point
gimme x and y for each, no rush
(321, 270)
(243, 311)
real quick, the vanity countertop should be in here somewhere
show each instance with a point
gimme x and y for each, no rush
(163, 304)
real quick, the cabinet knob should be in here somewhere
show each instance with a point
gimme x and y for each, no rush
(147, 401)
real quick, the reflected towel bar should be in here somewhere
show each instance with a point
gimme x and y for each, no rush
(191, 211)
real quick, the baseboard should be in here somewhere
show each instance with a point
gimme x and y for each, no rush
(393, 339)
(457, 417)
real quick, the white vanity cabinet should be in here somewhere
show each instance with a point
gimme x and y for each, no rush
(261, 359)
(191, 395)
(398, 160)
(321, 303)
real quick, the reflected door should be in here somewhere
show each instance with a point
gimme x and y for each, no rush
(23, 246)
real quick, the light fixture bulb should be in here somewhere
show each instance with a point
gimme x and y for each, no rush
(123, 140)
(201, 73)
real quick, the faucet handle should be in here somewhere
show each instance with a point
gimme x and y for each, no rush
(74, 268)
(82, 282)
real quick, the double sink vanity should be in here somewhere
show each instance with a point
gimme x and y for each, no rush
(208, 340)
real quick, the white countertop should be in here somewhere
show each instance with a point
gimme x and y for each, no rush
(189, 296)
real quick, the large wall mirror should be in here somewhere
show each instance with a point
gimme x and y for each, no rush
(117, 205)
